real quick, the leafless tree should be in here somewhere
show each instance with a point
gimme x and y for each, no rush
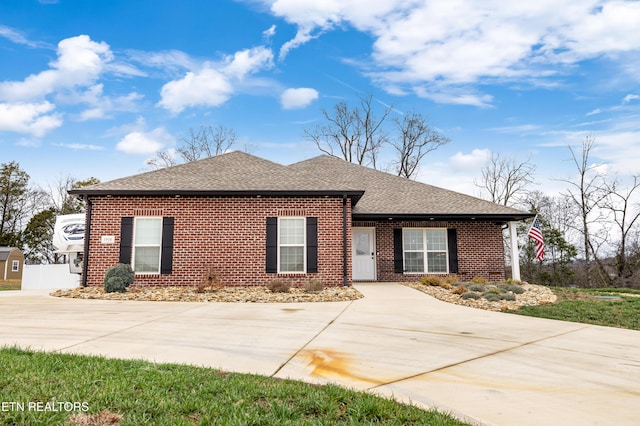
(415, 139)
(586, 192)
(205, 142)
(162, 159)
(618, 202)
(505, 180)
(356, 135)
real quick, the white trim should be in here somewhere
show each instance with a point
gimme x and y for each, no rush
(304, 244)
(515, 255)
(372, 243)
(15, 266)
(134, 245)
(425, 251)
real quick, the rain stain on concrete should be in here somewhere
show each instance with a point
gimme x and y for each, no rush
(328, 363)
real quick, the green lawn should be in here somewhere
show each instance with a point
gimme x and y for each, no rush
(588, 306)
(144, 393)
(9, 285)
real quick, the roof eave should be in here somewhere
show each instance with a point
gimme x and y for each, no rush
(463, 217)
(354, 196)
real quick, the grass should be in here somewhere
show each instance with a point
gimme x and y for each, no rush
(140, 392)
(582, 305)
(10, 285)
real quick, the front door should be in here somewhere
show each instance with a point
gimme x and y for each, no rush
(364, 253)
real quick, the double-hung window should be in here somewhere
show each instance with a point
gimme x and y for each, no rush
(291, 245)
(147, 243)
(15, 266)
(425, 250)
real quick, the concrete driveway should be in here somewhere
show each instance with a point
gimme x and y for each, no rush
(484, 367)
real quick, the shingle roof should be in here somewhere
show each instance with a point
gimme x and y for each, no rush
(241, 173)
(390, 195)
(5, 252)
(236, 172)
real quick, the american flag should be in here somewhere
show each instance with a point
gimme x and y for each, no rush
(535, 233)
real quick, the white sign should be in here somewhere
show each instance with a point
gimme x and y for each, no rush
(108, 239)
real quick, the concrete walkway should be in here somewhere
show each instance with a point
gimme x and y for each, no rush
(485, 367)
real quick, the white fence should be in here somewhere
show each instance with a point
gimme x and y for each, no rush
(48, 277)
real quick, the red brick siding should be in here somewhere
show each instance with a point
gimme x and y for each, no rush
(228, 234)
(480, 249)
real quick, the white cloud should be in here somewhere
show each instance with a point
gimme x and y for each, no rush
(453, 45)
(207, 87)
(18, 38)
(630, 97)
(145, 142)
(214, 84)
(269, 32)
(474, 160)
(80, 146)
(80, 62)
(33, 118)
(298, 98)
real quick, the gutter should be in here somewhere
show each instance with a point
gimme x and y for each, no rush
(87, 237)
(345, 277)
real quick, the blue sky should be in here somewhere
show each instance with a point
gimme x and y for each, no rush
(94, 88)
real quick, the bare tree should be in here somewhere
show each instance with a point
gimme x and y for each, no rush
(625, 216)
(59, 197)
(505, 180)
(356, 135)
(415, 140)
(586, 192)
(207, 141)
(163, 159)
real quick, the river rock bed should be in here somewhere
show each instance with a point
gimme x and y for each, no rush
(253, 294)
(533, 295)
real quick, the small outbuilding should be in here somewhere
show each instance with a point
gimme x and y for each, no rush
(11, 263)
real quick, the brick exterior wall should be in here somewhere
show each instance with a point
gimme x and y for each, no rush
(480, 249)
(228, 234)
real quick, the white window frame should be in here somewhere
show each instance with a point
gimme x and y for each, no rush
(425, 251)
(15, 266)
(135, 245)
(303, 245)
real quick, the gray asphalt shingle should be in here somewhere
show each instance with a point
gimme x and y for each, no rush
(240, 172)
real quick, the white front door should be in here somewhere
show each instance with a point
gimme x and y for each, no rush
(364, 253)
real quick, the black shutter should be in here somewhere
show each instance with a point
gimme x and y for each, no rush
(312, 245)
(452, 242)
(166, 256)
(272, 245)
(126, 240)
(398, 261)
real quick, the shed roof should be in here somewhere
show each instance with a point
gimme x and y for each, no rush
(5, 252)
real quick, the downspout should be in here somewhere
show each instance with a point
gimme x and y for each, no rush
(87, 237)
(345, 278)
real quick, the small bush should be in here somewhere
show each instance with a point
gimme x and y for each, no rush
(446, 285)
(515, 288)
(459, 290)
(479, 280)
(477, 287)
(314, 285)
(115, 284)
(492, 297)
(451, 279)
(470, 295)
(508, 297)
(210, 279)
(432, 280)
(279, 286)
(122, 271)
